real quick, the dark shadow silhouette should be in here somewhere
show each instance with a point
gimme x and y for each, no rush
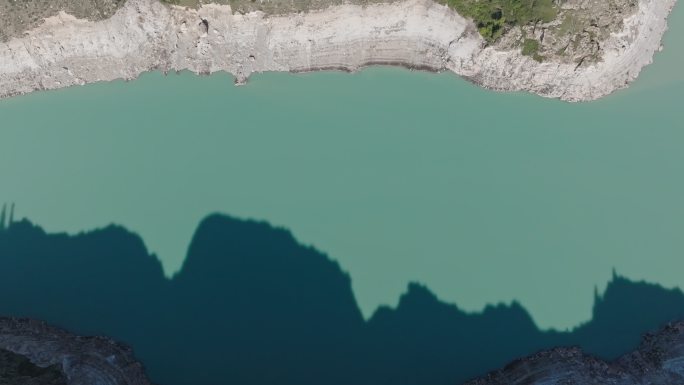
(625, 311)
(261, 308)
(252, 306)
(425, 341)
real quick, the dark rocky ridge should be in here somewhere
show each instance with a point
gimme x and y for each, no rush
(658, 360)
(252, 306)
(31, 352)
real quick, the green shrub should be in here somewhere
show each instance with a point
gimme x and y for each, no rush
(492, 17)
(531, 48)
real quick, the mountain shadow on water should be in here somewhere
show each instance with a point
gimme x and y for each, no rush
(252, 306)
(261, 308)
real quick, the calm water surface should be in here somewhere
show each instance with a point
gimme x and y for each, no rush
(399, 175)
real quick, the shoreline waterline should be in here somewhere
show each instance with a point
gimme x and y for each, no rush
(158, 37)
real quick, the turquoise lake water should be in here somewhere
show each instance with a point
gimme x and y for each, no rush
(398, 175)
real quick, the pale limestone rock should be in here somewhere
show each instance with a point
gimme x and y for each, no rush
(146, 35)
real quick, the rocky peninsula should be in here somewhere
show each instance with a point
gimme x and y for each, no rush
(145, 35)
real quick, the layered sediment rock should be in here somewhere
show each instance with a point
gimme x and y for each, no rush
(145, 35)
(83, 360)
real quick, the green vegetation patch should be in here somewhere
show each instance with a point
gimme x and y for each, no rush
(492, 17)
(531, 48)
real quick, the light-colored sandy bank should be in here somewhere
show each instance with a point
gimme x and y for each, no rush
(146, 35)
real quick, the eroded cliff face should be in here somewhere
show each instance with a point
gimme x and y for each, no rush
(658, 360)
(82, 360)
(145, 35)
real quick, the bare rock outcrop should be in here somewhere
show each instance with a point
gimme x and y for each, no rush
(83, 360)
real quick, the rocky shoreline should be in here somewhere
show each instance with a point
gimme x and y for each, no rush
(147, 35)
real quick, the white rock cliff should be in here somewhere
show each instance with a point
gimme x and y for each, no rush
(146, 35)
